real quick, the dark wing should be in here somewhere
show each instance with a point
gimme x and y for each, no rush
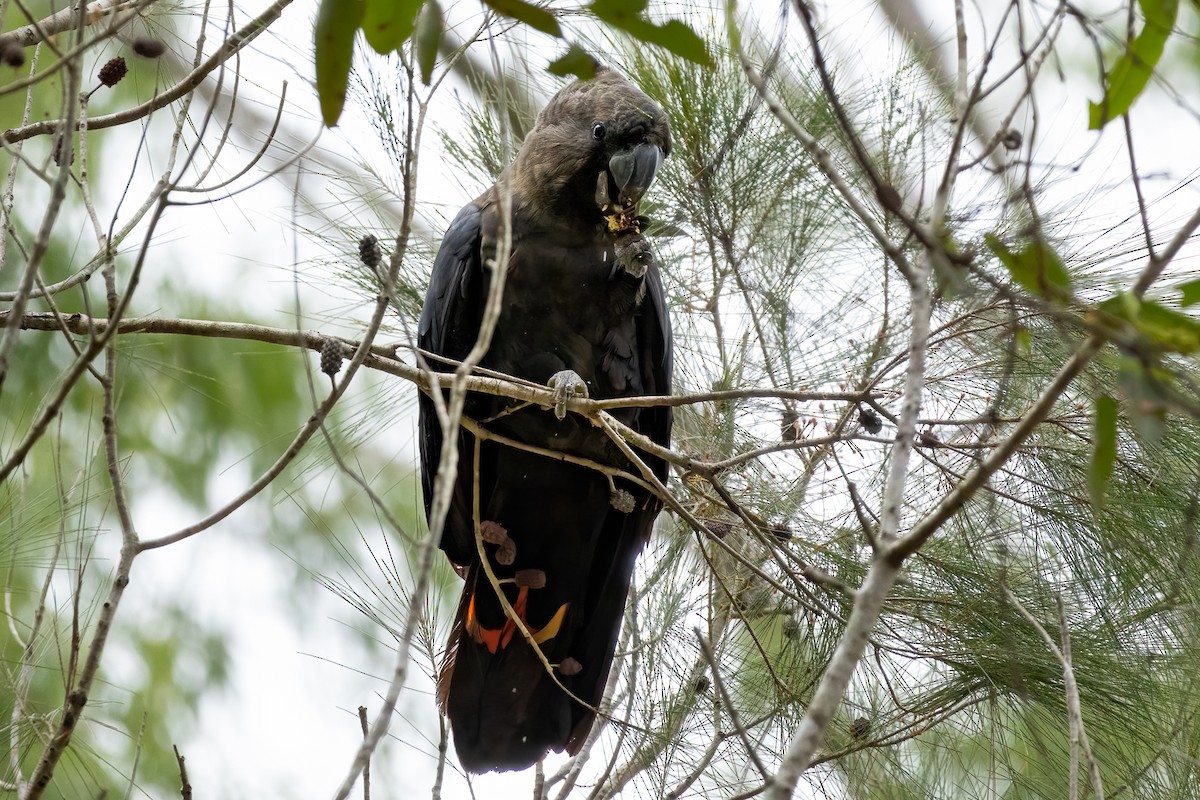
(448, 327)
(625, 535)
(657, 363)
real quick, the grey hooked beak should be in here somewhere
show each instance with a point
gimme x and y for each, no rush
(633, 171)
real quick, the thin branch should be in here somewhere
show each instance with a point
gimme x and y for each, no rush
(1136, 179)
(77, 697)
(366, 772)
(428, 548)
(868, 604)
(67, 19)
(18, 158)
(820, 155)
(382, 357)
(42, 242)
(1079, 736)
(234, 44)
(751, 751)
(185, 785)
(443, 748)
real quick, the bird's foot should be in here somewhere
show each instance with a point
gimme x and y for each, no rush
(633, 255)
(566, 384)
(570, 666)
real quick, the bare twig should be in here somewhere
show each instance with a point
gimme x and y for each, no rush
(185, 785)
(820, 155)
(428, 548)
(366, 772)
(883, 572)
(730, 709)
(42, 242)
(68, 19)
(443, 748)
(381, 357)
(231, 46)
(1078, 734)
(77, 697)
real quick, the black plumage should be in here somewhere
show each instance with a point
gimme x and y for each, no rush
(581, 295)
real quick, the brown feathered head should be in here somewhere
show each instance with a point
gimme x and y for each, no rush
(596, 147)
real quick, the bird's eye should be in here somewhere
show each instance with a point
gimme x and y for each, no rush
(598, 131)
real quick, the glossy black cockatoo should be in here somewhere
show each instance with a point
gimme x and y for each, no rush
(583, 311)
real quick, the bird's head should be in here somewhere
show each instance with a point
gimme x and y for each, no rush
(595, 149)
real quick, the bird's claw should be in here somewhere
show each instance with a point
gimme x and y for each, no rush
(566, 384)
(633, 254)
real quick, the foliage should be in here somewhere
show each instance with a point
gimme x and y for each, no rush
(388, 24)
(1128, 77)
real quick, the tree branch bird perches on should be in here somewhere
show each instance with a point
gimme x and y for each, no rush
(584, 312)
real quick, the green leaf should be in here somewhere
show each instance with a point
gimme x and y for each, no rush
(677, 38)
(1104, 449)
(387, 24)
(1147, 396)
(576, 61)
(624, 9)
(1191, 293)
(674, 36)
(337, 22)
(1024, 340)
(533, 16)
(1123, 305)
(1132, 72)
(428, 37)
(1172, 330)
(1169, 330)
(1036, 267)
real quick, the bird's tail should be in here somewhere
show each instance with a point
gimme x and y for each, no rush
(512, 694)
(505, 707)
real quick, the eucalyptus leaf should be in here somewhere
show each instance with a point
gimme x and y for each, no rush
(387, 24)
(576, 61)
(673, 36)
(1168, 330)
(1131, 73)
(1104, 449)
(1035, 267)
(535, 17)
(337, 22)
(428, 37)
(1191, 293)
(1146, 394)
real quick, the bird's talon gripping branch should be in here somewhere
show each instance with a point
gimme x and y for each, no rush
(634, 255)
(570, 666)
(566, 384)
